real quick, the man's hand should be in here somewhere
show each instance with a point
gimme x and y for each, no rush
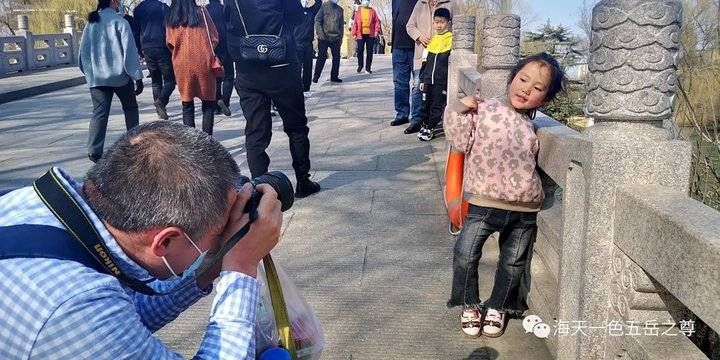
(263, 235)
(139, 87)
(424, 40)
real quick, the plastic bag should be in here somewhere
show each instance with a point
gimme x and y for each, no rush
(305, 328)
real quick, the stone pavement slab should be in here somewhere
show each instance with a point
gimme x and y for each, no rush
(370, 253)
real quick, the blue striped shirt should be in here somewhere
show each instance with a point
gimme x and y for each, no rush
(60, 309)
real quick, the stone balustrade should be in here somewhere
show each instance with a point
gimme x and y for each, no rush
(620, 243)
(28, 51)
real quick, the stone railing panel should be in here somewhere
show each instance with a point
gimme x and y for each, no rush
(681, 247)
(28, 51)
(12, 54)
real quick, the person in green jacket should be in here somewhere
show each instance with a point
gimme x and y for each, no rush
(329, 23)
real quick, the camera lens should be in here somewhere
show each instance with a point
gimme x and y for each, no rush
(282, 185)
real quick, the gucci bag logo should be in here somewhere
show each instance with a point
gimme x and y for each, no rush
(262, 48)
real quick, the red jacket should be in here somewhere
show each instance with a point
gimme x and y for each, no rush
(374, 24)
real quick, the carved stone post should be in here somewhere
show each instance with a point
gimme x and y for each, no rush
(463, 32)
(69, 28)
(463, 46)
(500, 52)
(28, 46)
(631, 87)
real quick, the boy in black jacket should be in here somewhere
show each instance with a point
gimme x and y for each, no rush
(434, 74)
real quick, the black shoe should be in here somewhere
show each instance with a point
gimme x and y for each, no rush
(398, 122)
(359, 69)
(224, 108)
(315, 80)
(94, 157)
(337, 80)
(306, 187)
(413, 128)
(368, 71)
(161, 110)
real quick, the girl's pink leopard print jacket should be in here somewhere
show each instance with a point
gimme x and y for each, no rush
(500, 148)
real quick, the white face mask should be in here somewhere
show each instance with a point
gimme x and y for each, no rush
(190, 271)
(366, 3)
(304, 3)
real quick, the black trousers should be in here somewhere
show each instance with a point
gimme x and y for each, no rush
(305, 54)
(365, 45)
(224, 86)
(159, 63)
(102, 99)
(334, 47)
(434, 104)
(208, 110)
(282, 87)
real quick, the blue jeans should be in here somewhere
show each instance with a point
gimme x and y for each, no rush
(402, 60)
(416, 114)
(512, 278)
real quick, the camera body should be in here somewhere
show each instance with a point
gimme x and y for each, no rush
(279, 182)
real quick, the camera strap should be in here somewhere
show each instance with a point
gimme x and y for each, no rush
(67, 210)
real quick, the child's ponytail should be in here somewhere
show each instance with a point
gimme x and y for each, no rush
(94, 16)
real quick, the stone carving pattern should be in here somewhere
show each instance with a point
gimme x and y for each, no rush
(632, 61)
(633, 293)
(464, 32)
(501, 42)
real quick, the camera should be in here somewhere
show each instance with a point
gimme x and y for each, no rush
(279, 182)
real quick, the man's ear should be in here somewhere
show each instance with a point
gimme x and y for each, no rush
(164, 239)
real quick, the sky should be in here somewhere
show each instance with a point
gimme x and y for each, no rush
(565, 12)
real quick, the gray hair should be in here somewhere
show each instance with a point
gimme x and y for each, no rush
(162, 174)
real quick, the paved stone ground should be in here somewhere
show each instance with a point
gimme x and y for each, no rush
(370, 253)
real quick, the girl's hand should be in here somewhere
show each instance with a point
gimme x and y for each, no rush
(470, 101)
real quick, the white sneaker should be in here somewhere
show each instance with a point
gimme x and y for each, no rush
(493, 323)
(470, 321)
(425, 134)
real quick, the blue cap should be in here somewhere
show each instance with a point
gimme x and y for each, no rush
(275, 354)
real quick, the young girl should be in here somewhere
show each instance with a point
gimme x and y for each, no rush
(503, 189)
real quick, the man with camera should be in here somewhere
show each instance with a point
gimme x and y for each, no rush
(164, 200)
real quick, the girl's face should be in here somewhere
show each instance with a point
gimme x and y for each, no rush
(529, 88)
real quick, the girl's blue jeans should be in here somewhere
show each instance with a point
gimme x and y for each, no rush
(512, 278)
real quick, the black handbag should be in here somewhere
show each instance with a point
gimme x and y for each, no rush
(265, 49)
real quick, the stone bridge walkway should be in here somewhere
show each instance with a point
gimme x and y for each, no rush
(370, 253)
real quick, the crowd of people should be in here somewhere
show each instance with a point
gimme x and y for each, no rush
(196, 50)
(166, 195)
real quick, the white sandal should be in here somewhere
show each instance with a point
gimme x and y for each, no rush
(470, 321)
(493, 323)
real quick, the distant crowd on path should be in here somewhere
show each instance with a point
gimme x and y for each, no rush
(197, 49)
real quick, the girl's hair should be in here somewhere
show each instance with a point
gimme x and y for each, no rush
(94, 16)
(557, 75)
(183, 13)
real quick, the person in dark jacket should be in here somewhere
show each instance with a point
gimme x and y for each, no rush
(150, 17)
(304, 36)
(403, 50)
(225, 84)
(329, 26)
(259, 83)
